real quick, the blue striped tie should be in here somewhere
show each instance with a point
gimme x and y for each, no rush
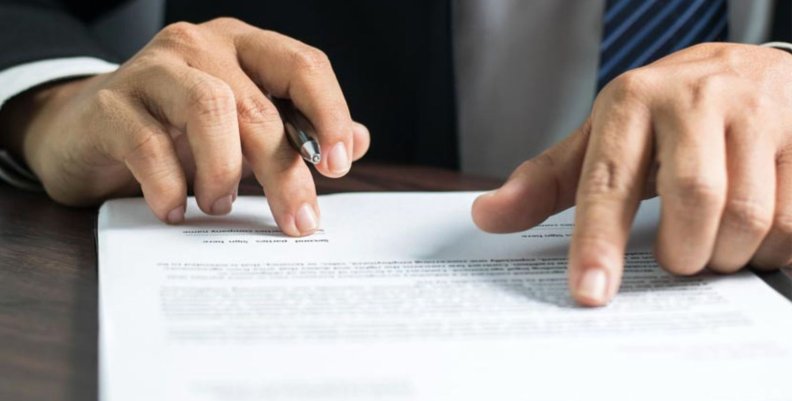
(637, 32)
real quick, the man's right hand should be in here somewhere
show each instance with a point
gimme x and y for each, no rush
(191, 108)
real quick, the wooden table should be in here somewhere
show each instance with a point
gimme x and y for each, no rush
(48, 281)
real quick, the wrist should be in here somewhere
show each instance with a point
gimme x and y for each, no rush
(27, 112)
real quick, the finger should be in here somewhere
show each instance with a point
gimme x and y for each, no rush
(537, 189)
(145, 147)
(279, 168)
(204, 107)
(291, 69)
(286, 180)
(692, 185)
(184, 152)
(610, 189)
(776, 249)
(361, 140)
(748, 212)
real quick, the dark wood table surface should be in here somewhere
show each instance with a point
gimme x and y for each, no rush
(48, 280)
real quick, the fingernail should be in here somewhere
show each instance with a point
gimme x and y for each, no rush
(223, 205)
(593, 286)
(176, 215)
(306, 219)
(338, 160)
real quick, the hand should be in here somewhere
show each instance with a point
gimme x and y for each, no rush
(708, 129)
(191, 107)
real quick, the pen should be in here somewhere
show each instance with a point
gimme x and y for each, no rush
(299, 130)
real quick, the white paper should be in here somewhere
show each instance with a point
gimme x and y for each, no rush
(400, 297)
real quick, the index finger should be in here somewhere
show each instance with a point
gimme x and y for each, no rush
(288, 68)
(610, 189)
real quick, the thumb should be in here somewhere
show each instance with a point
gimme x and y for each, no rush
(537, 189)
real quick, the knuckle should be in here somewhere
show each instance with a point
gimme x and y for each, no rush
(752, 103)
(227, 22)
(605, 177)
(212, 97)
(148, 67)
(183, 33)
(697, 191)
(141, 66)
(730, 56)
(257, 111)
(107, 101)
(631, 85)
(758, 105)
(147, 144)
(748, 215)
(310, 59)
(707, 88)
(706, 47)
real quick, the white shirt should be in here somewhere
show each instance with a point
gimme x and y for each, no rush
(525, 73)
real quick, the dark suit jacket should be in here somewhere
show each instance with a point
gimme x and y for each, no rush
(393, 58)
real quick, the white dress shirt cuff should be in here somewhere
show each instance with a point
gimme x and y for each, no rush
(779, 45)
(20, 78)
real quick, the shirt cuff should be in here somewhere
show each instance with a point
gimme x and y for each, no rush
(23, 77)
(15, 173)
(20, 78)
(779, 45)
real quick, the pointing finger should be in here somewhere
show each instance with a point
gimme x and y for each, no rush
(611, 186)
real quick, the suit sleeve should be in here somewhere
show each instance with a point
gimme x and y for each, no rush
(33, 30)
(42, 41)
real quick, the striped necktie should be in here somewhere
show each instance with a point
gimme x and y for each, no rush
(637, 32)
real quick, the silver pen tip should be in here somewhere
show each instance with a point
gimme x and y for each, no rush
(310, 152)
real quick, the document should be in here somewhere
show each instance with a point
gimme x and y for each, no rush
(400, 297)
